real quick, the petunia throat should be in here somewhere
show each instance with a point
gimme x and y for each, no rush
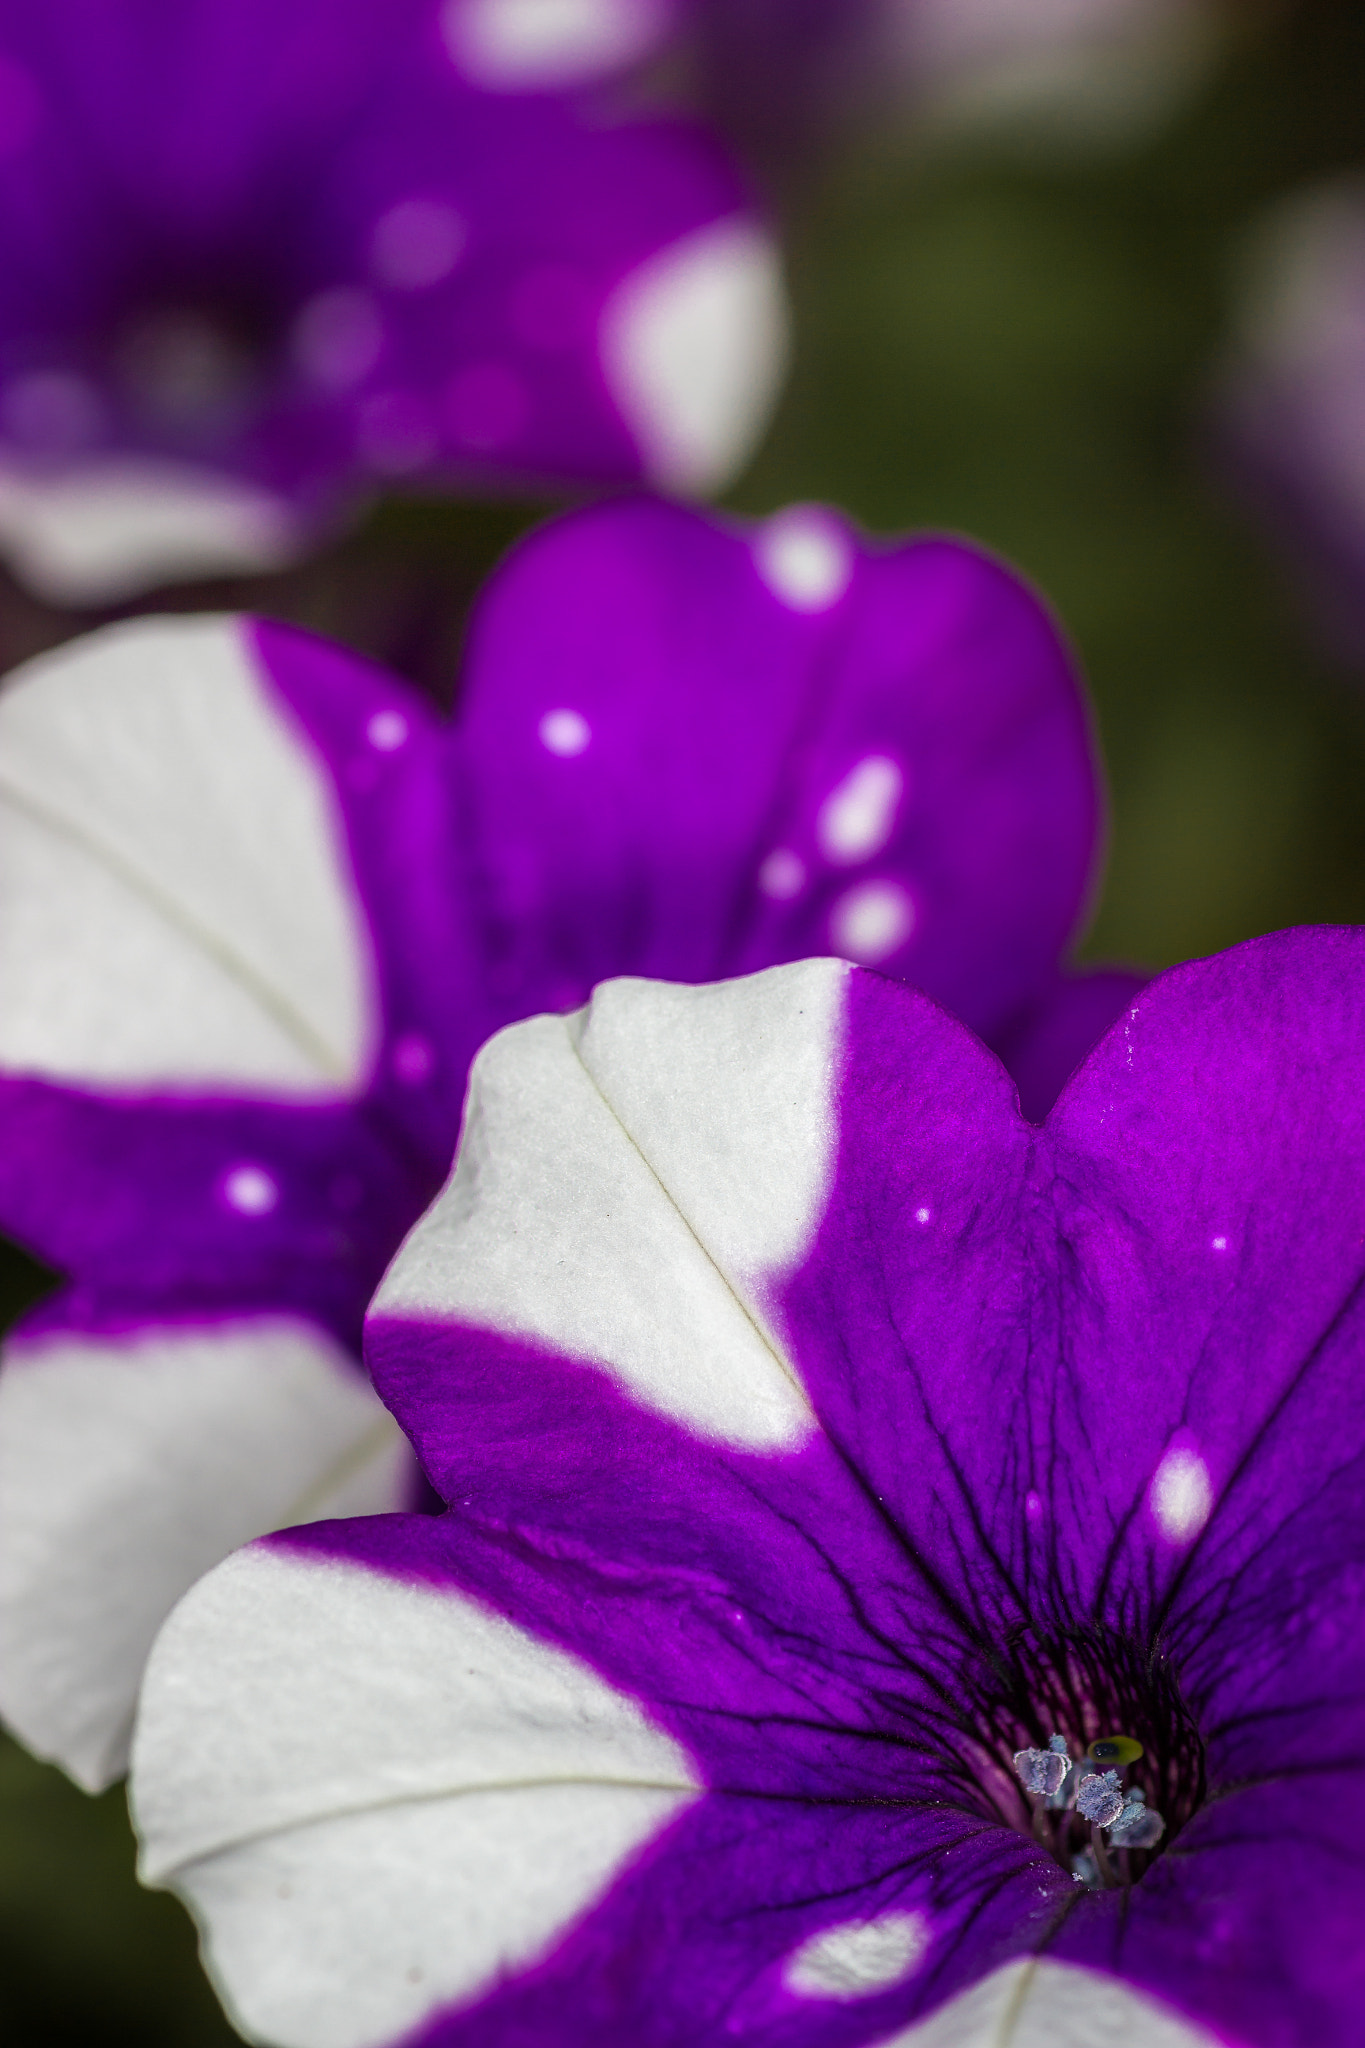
(1103, 1803)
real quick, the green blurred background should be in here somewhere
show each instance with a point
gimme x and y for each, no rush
(998, 333)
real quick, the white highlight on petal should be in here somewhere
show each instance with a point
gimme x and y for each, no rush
(516, 45)
(1181, 1494)
(176, 904)
(1219, 1244)
(128, 1467)
(857, 818)
(387, 731)
(105, 530)
(806, 557)
(251, 1191)
(871, 922)
(694, 349)
(859, 1958)
(416, 244)
(1052, 2005)
(565, 733)
(337, 338)
(782, 875)
(632, 1180)
(376, 1796)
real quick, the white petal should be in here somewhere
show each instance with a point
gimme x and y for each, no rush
(1051, 2005)
(526, 45)
(631, 1181)
(127, 1469)
(376, 1796)
(176, 903)
(695, 346)
(107, 530)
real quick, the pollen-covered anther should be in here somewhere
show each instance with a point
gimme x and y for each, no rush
(1042, 1770)
(1099, 1799)
(1139, 1826)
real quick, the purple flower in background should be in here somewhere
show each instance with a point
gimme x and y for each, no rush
(262, 256)
(258, 909)
(1290, 402)
(903, 1575)
(770, 66)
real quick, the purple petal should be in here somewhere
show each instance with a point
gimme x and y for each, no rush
(692, 749)
(1045, 1044)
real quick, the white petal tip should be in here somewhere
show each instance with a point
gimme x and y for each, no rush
(695, 345)
(106, 531)
(545, 45)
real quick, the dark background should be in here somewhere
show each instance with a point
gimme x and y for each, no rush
(1011, 337)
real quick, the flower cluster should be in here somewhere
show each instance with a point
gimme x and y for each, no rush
(258, 908)
(656, 1426)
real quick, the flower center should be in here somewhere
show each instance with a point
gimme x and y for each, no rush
(1083, 1740)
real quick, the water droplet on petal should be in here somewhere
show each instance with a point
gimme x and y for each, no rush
(857, 817)
(806, 558)
(872, 922)
(782, 875)
(564, 732)
(387, 731)
(250, 1190)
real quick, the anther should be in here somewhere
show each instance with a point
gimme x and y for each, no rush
(1139, 1826)
(1042, 1770)
(1098, 1798)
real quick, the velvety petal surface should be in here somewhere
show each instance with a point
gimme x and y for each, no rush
(1085, 1446)
(693, 748)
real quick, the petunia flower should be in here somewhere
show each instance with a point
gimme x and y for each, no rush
(869, 1512)
(258, 908)
(1289, 402)
(263, 256)
(771, 67)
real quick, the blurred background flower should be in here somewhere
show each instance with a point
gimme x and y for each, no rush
(264, 256)
(996, 332)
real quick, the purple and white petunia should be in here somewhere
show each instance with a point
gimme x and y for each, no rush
(262, 256)
(870, 1514)
(258, 908)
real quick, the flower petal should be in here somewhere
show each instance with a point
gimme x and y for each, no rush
(128, 1466)
(691, 750)
(658, 1268)
(1043, 2004)
(152, 802)
(101, 532)
(379, 1845)
(695, 348)
(530, 45)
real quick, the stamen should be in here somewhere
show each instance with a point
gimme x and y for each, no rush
(1099, 1799)
(1042, 1770)
(1139, 1826)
